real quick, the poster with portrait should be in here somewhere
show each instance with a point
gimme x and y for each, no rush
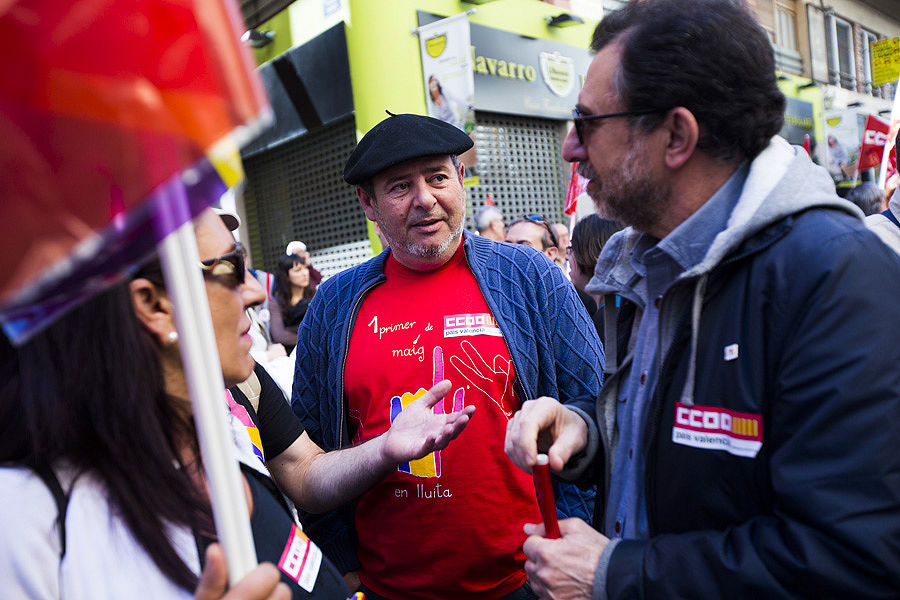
(840, 150)
(447, 71)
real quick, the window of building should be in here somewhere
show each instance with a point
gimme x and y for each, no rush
(841, 69)
(786, 24)
(818, 43)
(784, 37)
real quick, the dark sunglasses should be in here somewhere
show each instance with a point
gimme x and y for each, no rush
(579, 118)
(231, 267)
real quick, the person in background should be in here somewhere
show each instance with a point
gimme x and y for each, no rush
(538, 233)
(589, 236)
(562, 242)
(886, 224)
(292, 293)
(489, 223)
(867, 197)
(299, 248)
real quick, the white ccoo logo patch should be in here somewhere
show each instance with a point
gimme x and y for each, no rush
(731, 352)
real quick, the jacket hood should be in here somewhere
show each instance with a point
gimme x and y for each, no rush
(782, 181)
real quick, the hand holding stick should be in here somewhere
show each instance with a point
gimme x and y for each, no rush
(544, 489)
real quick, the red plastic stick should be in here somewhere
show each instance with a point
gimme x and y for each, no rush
(544, 489)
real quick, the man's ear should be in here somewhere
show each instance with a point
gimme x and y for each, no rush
(367, 201)
(552, 252)
(462, 171)
(153, 309)
(683, 132)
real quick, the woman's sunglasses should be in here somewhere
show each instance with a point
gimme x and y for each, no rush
(231, 267)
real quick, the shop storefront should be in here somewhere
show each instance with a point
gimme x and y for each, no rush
(334, 87)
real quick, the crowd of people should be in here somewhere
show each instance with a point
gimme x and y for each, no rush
(703, 365)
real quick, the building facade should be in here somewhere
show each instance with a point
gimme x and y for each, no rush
(332, 68)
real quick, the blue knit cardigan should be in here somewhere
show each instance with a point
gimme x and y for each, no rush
(552, 341)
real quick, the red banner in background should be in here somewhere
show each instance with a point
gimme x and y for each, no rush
(874, 138)
(577, 186)
(891, 170)
(102, 102)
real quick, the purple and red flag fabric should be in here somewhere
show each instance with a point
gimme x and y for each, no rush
(107, 112)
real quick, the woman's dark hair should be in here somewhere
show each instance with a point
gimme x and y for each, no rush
(281, 289)
(440, 89)
(88, 391)
(589, 236)
(709, 56)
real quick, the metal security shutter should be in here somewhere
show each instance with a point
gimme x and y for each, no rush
(295, 192)
(519, 163)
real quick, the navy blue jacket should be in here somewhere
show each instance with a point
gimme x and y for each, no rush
(773, 457)
(552, 342)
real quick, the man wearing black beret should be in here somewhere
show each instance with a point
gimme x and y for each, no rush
(499, 321)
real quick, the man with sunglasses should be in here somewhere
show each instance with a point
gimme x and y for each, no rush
(498, 321)
(747, 431)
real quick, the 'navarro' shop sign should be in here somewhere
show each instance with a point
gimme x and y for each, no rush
(520, 75)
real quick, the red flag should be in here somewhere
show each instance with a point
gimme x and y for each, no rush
(102, 104)
(577, 186)
(806, 143)
(875, 136)
(891, 169)
(489, 201)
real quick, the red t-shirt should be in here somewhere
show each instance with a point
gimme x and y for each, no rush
(448, 525)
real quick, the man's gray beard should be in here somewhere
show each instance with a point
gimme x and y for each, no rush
(421, 250)
(631, 196)
(431, 251)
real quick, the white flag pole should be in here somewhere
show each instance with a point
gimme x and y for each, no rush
(885, 156)
(184, 283)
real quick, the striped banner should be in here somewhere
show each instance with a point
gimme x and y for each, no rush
(111, 115)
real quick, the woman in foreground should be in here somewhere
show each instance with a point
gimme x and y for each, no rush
(99, 402)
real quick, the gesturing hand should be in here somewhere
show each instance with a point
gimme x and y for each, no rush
(418, 430)
(563, 568)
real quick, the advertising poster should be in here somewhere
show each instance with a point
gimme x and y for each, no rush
(843, 136)
(447, 71)
(885, 61)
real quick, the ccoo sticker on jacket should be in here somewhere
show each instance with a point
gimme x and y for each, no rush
(301, 559)
(714, 428)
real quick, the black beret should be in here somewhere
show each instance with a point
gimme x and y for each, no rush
(399, 138)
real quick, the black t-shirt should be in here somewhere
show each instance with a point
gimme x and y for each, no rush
(304, 568)
(278, 426)
(275, 536)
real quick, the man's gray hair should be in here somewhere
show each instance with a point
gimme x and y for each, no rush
(486, 215)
